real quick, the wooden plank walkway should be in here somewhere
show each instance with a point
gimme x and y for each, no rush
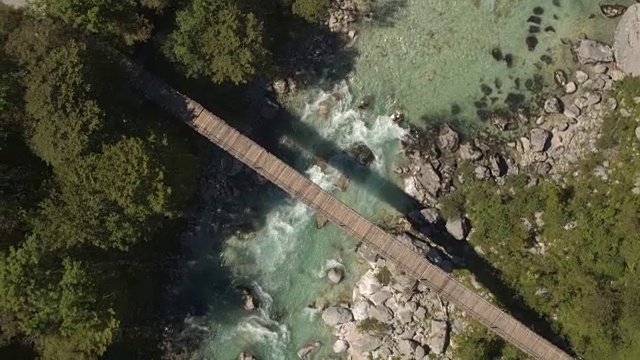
(294, 183)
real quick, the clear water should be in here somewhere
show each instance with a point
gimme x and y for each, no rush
(426, 56)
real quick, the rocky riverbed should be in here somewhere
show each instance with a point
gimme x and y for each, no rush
(392, 316)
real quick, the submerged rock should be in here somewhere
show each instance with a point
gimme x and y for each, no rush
(553, 105)
(305, 352)
(246, 356)
(612, 11)
(250, 301)
(560, 77)
(361, 153)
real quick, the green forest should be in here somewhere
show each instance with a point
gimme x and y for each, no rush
(570, 248)
(94, 179)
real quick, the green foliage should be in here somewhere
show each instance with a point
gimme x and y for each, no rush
(47, 303)
(384, 276)
(216, 39)
(479, 343)
(372, 326)
(311, 10)
(116, 172)
(587, 226)
(118, 19)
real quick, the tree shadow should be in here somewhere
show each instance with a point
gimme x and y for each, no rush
(384, 14)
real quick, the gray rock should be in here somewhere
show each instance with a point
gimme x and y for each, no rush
(404, 316)
(408, 333)
(420, 313)
(407, 347)
(498, 165)
(419, 352)
(539, 139)
(638, 133)
(594, 98)
(600, 69)
(581, 76)
(381, 313)
(570, 88)
(553, 105)
(412, 306)
(437, 340)
(458, 227)
(562, 126)
(572, 112)
(593, 52)
(335, 275)
(306, 351)
(430, 178)
(360, 310)
(368, 284)
(470, 152)
(626, 43)
(428, 216)
(448, 139)
(612, 11)
(337, 315)
(365, 343)
(380, 297)
(340, 346)
(482, 172)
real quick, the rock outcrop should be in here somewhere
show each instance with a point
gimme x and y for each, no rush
(626, 45)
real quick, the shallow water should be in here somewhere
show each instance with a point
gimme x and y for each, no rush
(433, 57)
(429, 57)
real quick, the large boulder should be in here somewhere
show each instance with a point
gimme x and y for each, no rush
(368, 284)
(340, 346)
(381, 313)
(365, 343)
(437, 340)
(593, 52)
(448, 139)
(430, 178)
(458, 227)
(335, 275)
(407, 347)
(337, 315)
(360, 310)
(626, 44)
(539, 139)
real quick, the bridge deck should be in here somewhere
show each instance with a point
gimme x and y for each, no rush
(290, 180)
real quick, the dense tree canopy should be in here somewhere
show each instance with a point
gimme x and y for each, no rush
(216, 39)
(99, 171)
(119, 19)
